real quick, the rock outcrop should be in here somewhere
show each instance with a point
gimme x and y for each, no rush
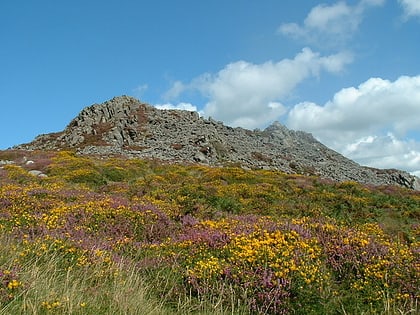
(125, 126)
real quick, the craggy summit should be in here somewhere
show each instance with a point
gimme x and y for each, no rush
(126, 126)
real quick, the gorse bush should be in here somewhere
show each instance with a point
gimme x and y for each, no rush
(120, 236)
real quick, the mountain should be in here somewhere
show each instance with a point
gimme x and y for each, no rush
(125, 126)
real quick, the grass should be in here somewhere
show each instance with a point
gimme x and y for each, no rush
(49, 285)
(119, 236)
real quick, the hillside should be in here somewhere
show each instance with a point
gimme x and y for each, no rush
(87, 235)
(124, 126)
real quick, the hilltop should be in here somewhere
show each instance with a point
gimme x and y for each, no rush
(135, 210)
(124, 126)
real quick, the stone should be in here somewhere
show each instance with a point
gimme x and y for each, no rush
(201, 158)
(6, 162)
(35, 172)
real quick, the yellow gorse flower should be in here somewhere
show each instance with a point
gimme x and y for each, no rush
(13, 284)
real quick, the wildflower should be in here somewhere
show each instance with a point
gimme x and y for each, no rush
(51, 305)
(13, 284)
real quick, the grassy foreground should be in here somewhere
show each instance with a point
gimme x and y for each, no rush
(120, 236)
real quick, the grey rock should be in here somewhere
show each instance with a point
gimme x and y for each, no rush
(6, 162)
(37, 173)
(126, 126)
(201, 158)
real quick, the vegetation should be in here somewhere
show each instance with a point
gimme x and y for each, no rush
(121, 236)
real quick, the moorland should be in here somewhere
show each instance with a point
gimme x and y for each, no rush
(132, 236)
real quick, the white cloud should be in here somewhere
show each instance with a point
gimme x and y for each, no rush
(411, 7)
(139, 90)
(177, 88)
(329, 25)
(417, 173)
(386, 151)
(368, 123)
(249, 95)
(181, 106)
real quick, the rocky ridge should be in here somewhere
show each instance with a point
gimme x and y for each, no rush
(126, 126)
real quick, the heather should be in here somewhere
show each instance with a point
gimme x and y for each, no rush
(129, 236)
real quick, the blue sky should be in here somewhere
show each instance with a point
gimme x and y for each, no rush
(346, 71)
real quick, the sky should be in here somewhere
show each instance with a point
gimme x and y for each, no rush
(346, 71)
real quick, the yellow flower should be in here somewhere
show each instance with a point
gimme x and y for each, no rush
(13, 284)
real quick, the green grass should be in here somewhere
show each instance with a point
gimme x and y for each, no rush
(48, 288)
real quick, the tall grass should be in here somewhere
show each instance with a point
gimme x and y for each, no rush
(48, 285)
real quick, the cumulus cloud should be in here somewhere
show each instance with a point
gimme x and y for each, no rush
(368, 123)
(411, 7)
(249, 95)
(329, 25)
(181, 106)
(386, 151)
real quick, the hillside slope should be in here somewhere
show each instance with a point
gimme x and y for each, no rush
(130, 236)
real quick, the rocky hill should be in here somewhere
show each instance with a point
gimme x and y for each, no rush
(125, 126)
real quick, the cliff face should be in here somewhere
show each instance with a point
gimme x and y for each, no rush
(126, 126)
